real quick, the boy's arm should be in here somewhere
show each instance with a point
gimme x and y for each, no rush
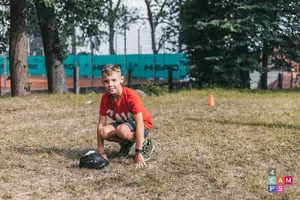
(139, 137)
(102, 122)
(139, 134)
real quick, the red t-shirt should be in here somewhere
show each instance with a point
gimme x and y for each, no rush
(128, 105)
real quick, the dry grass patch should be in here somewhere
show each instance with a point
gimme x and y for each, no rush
(201, 152)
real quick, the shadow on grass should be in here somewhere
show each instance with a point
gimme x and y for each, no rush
(263, 124)
(72, 154)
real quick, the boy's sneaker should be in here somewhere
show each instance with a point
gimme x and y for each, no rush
(126, 147)
(148, 148)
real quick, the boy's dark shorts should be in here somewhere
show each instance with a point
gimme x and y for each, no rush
(132, 127)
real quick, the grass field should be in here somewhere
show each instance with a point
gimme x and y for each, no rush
(201, 152)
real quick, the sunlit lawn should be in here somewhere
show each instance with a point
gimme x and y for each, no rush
(201, 152)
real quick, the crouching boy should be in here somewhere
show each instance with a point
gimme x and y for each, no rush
(132, 122)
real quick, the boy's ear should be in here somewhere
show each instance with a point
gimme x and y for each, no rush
(122, 79)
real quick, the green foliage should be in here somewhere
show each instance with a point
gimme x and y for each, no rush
(4, 24)
(224, 39)
(48, 3)
(151, 89)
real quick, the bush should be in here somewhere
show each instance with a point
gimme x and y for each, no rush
(151, 89)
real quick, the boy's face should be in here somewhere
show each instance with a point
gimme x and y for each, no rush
(112, 82)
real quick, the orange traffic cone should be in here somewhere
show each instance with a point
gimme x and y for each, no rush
(211, 101)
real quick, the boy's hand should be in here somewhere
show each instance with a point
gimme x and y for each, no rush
(104, 156)
(139, 161)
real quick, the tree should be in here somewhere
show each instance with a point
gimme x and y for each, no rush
(52, 47)
(160, 16)
(208, 33)
(174, 30)
(288, 50)
(35, 41)
(264, 17)
(116, 16)
(70, 14)
(99, 15)
(272, 22)
(225, 40)
(18, 47)
(111, 16)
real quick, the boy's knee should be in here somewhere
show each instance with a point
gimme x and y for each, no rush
(123, 131)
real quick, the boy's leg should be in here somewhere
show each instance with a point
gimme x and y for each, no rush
(109, 133)
(148, 148)
(126, 131)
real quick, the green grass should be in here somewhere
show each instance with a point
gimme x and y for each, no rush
(201, 152)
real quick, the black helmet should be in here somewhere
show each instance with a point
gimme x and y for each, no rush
(93, 160)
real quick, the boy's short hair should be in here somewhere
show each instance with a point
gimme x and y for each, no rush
(110, 68)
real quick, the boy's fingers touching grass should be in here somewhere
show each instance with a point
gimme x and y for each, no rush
(140, 162)
(140, 165)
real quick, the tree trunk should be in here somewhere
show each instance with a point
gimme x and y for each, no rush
(74, 42)
(111, 39)
(245, 79)
(152, 26)
(53, 57)
(264, 76)
(153, 39)
(179, 28)
(154, 53)
(244, 73)
(18, 47)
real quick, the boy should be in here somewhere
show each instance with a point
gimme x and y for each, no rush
(132, 121)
